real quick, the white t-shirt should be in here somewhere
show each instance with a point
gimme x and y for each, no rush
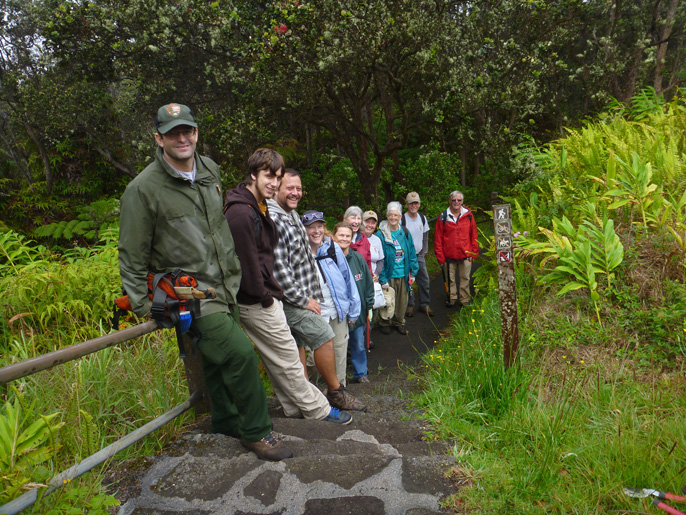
(188, 175)
(376, 249)
(417, 228)
(328, 308)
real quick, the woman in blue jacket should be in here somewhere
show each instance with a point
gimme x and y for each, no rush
(400, 265)
(341, 306)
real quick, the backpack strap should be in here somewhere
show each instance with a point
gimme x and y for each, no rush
(330, 253)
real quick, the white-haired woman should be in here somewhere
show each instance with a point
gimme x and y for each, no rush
(400, 265)
(353, 215)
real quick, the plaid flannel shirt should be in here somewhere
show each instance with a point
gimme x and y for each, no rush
(294, 265)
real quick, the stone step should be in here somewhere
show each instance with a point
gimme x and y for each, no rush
(352, 473)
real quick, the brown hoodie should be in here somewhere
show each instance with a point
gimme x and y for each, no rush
(255, 237)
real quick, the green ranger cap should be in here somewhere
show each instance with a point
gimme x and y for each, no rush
(173, 115)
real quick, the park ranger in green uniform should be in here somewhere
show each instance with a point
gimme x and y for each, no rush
(171, 218)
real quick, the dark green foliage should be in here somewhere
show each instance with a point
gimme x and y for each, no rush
(377, 83)
(89, 224)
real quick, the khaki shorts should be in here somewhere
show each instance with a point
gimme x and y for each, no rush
(309, 329)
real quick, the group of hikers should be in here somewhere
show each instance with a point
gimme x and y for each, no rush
(299, 294)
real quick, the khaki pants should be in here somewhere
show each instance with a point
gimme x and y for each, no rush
(399, 284)
(340, 350)
(268, 330)
(460, 269)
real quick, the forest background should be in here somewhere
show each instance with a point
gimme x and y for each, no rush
(369, 99)
(572, 110)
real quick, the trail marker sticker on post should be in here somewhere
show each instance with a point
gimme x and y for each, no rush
(506, 281)
(504, 227)
(504, 242)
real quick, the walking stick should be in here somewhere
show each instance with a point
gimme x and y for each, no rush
(446, 281)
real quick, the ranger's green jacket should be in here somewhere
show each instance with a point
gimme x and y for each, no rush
(167, 222)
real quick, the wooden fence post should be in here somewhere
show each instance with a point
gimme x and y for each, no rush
(194, 376)
(507, 288)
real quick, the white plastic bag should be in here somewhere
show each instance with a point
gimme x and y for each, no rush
(379, 299)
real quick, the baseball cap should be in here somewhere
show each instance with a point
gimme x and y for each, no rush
(311, 217)
(412, 196)
(173, 115)
(369, 214)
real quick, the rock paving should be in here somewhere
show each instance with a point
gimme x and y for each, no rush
(378, 464)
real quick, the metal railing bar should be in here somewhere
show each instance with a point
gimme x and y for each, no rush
(29, 498)
(33, 365)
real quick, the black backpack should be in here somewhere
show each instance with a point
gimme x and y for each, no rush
(444, 219)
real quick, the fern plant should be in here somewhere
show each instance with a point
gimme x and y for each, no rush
(579, 255)
(645, 103)
(92, 220)
(633, 184)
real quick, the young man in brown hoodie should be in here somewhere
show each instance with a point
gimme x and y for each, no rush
(260, 295)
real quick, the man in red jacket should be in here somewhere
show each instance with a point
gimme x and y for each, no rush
(456, 244)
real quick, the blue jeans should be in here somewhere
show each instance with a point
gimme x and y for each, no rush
(358, 352)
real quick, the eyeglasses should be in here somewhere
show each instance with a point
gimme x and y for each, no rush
(456, 200)
(187, 133)
(314, 216)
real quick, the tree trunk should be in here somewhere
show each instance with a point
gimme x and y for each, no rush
(463, 169)
(44, 156)
(104, 152)
(663, 34)
(14, 150)
(308, 144)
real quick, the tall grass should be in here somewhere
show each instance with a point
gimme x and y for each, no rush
(467, 377)
(558, 434)
(589, 409)
(50, 302)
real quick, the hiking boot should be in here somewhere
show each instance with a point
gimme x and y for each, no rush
(371, 345)
(341, 399)
(269, 448)
(410, 311)
(386, 329)
(401, 329)
(337, 416)
(450, 303)
(427, 311)
(363, 379)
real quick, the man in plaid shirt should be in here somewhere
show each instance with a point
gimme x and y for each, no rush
(296, 272)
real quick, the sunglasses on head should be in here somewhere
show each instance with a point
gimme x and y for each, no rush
(316, 216)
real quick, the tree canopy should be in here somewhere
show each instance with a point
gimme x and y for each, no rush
(373, 84)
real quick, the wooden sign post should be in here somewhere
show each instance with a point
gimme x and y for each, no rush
(507, 289)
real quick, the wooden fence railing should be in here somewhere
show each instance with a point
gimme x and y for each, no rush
(198, 398)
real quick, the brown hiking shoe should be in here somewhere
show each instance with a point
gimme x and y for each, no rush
(343, 400)
(269, 448)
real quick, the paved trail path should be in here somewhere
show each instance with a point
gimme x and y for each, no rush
(376, 465)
